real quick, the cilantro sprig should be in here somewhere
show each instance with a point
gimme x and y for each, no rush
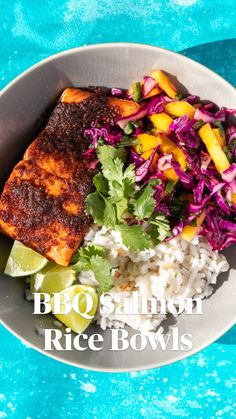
(160, 228)
(116, 201)
(137, 91)
(94, 258)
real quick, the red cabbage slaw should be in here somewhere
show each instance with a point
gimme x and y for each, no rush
(200, 188)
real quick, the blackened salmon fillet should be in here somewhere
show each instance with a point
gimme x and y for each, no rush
(43, 201)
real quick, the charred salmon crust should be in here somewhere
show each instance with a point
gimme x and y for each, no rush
(42, 204)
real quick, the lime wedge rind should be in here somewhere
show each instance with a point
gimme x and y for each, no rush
(24, 261)
(73, 320)
(53, 278)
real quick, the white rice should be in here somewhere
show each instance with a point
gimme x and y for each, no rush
(175, 269)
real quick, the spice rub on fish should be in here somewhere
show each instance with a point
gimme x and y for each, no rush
(42, 203)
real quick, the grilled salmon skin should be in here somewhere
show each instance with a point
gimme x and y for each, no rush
(42, 203)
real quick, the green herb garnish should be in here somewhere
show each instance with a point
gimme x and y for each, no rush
(198, 124)
(134, 237)
(170, 186)
(180, 96)
(193, 223)
(130, 127)
(219, 125)
(144, 203)
(116, 199)
(137, 91)
(94, 258)
(127, 141)
(160, 228)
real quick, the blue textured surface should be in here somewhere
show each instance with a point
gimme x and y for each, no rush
(32, 385)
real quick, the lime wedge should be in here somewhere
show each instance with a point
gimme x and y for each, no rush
(24, 261)
(53, 278)
(74, 320)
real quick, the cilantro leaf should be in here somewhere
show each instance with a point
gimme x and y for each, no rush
(121, 208)
(114, 186)
(113, 170)
(116, 190)
(109, 214)
(93, 258)
(102, 272)
(100, 182)
(129, 173)
(106, 153)
(83, 255)
(91, 250)
(144, 204)
(160, 228)
(95, 206)
(134, 237)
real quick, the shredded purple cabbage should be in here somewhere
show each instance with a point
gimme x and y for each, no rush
(201, 187)
(117, 92)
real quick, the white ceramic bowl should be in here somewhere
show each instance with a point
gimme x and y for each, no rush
(22, 102)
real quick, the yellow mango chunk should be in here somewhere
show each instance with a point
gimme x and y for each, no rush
(189, 232)
(171, 175)
(168, 146)
(154, 92)
(146, 142)
(179, 108)
(233, 197)
(214, 148)
(147, 154)
(164, 83)
(161, 122)
(220, 138)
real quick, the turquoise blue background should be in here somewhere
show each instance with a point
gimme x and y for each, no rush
(32, 385)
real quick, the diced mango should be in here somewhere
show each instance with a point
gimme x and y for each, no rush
(153, 92)
(168, 146)
(171, 175)
(153, 166)
(125, 107)
(146, 142)
(161, 122)
(164, 83)
(189, 232)
(233, 197)
(147, 154)
(179, 108)
(220, 138)
(214, 148)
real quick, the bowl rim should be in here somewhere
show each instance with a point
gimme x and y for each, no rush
(108, 45)
(113, 45)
